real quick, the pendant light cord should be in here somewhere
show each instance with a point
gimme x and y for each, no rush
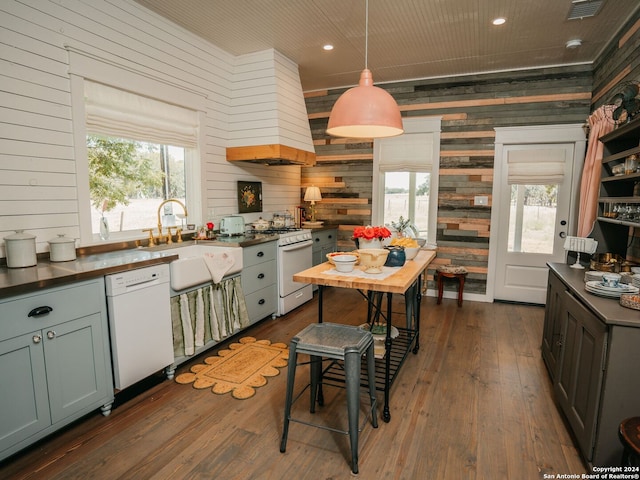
(366, 34)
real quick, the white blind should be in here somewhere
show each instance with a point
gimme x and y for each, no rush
(411, 152)
(117, 113)
(535, 167)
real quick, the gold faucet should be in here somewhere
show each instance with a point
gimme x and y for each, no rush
(160, 235)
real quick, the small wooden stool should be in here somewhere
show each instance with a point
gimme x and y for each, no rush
(451, 271)
(629, 433)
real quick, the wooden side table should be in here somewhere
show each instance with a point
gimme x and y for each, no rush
(451, 271)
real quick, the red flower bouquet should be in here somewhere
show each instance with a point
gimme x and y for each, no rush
(369, 233)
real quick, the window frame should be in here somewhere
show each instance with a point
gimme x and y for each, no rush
(118, 78)
(431, 125)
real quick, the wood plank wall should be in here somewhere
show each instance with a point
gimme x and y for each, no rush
(620, 63)
(39, 189)
(471, 107)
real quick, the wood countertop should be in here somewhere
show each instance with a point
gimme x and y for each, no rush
(399, 282)
(16, 281)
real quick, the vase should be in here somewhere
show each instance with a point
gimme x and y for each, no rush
(104, 228)
(364, 243)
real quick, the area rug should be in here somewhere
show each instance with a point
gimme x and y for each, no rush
(240, 369)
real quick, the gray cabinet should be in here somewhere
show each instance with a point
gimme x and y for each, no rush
(54, 361)
(580, 369)
(324, 241)
(552, 333)
(590, 347)
(259, 280)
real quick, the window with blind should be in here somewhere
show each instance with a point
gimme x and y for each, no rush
(140, 152)
(406, 176)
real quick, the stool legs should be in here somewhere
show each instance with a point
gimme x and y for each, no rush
(352, 373)
(459, 277)
(371, 378)
(460, 289)
(440, 288)
(291, 378)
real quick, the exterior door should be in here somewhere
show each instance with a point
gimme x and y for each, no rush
(532, 215)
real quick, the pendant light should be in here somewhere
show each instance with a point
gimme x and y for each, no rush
(365, 111)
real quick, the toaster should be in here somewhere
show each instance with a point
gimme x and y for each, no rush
(232, 225)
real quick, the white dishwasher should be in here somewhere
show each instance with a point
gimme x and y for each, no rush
(138, 303)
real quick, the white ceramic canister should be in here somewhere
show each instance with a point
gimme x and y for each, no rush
(62, 249)
(21, 250)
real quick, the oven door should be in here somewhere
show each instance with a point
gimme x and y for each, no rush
(292, 259)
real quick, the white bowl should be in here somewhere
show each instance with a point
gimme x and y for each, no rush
(345, 267)
(344, 258)
(411, 252)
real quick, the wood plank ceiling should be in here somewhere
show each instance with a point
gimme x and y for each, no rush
(408, 39)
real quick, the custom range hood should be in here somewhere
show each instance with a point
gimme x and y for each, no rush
(268, 121)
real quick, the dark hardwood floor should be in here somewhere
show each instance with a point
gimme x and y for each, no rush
(475, 402)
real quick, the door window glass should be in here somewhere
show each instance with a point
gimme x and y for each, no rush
(532, 218)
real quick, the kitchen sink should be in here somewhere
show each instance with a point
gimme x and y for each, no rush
(190, 268)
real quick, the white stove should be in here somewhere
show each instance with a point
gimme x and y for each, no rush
(290, 237)
(294, 255)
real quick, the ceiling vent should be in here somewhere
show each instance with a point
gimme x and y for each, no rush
(584, 8)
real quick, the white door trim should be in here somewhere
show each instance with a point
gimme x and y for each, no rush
(538, 134)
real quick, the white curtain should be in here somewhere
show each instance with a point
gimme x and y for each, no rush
(535, 167)
(411, 152)
(118, 113)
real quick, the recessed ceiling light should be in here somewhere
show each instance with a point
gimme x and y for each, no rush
(499, 21)
(575, 43)
(327, 47)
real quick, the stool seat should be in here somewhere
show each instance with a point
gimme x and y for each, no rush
(457, 272)
(629, 434)
(331, 340)
(336, 342)
(452, 269)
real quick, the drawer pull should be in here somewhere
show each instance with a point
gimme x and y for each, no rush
(51, 334)
(260, 254)
(261, 276)
(36, 312)
(37, 339)
(261, 301)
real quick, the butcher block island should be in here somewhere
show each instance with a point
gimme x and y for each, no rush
(398, 340)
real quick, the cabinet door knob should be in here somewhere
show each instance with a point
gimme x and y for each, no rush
(261, 301)
(37, 339)
(51, 334)
(260, 254)
(261, 275)
(562, 234)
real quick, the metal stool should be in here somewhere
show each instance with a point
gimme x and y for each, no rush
(337, 342)
(629, 434)
(451, 271)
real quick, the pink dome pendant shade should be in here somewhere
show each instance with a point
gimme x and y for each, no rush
(365, 111)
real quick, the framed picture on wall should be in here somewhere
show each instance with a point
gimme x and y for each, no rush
(249, 197)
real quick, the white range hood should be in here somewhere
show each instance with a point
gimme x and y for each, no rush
(268, 121)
